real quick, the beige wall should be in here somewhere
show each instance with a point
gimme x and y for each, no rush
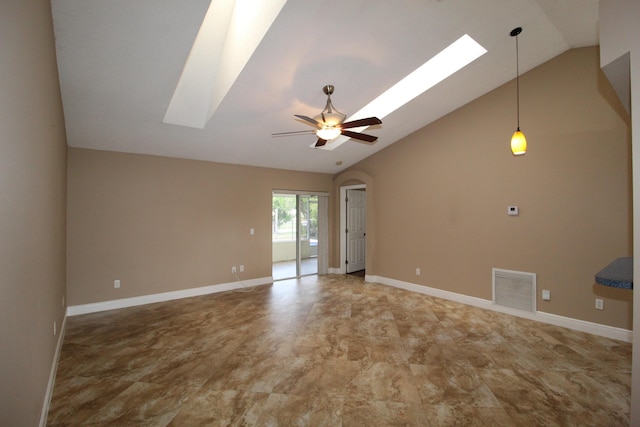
(32, 209)
(441, 194)
(160, 224)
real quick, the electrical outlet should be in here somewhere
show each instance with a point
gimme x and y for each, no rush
(54, 328)
(599, 304)
(116, 284)
(546, 295)
(241, 268)
(233, 270)
(417, 271)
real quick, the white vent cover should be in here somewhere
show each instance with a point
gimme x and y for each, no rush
(515, 289)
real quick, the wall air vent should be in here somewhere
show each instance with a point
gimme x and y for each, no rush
(514, 289)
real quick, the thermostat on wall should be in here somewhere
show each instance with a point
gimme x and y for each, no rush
(512, 210)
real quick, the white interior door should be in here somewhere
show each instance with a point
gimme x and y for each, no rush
(356, 231)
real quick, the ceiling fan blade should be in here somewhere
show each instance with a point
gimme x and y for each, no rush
(360, 137)
(320, 142)
(369, 121)
(309, 120)
(295, 132)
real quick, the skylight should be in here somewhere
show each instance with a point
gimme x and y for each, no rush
(453, 58)
(229, 34)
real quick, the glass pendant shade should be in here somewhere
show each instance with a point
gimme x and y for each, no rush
(328, 133)
(330, 118)
(518, 143)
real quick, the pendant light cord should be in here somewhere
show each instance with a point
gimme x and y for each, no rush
(518, 82)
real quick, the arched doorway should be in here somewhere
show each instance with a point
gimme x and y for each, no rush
(353, 180)
(353, 219)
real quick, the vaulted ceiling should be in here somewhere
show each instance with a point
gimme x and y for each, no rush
(213, 79)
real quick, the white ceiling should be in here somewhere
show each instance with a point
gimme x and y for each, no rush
(120, 62)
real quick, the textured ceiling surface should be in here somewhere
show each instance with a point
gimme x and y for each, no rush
(120, 62)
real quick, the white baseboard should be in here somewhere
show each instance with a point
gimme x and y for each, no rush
(165, 296)
(52, 375)
(540, 316)
(335, 271)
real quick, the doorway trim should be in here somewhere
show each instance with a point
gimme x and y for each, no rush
(343, 224)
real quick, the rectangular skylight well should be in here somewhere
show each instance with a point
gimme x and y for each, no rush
(230, 32)
(453, 58)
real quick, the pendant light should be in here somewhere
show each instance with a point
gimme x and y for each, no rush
(518, 141)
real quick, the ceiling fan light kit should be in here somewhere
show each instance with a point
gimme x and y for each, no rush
(330, 124)
(518, 140)
(328, 133)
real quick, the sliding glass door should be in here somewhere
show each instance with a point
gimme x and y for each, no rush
(294, 235)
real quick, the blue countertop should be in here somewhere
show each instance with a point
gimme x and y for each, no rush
(618, 274)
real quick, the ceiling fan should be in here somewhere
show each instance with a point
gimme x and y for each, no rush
(330, 124)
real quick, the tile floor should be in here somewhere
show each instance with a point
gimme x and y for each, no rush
(332, 351)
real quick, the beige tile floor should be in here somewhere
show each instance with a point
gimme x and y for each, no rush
(332, 351)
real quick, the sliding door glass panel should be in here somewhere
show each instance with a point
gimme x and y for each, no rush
(294, 235)
(284, 236)
(308, 241)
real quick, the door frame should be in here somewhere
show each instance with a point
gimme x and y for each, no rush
(343, 223)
